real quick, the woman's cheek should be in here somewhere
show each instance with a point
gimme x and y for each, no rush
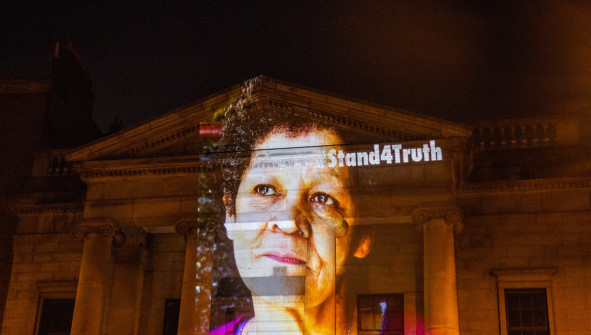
(324, 243)
(260, 203)
(254, 209)
(249, 225)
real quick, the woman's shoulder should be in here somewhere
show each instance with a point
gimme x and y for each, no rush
(230, 327)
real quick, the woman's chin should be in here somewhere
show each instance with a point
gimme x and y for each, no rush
(318, 292)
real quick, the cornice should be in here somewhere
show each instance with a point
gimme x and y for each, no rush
(140, 168)
(357, 115)
(162, 140)
(524, 274)
(8, 86)
(352, 110)
(525, 185)
(334, 119)
(38, 209)
(178, 123)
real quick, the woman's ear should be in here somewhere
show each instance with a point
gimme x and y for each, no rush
(364, 247)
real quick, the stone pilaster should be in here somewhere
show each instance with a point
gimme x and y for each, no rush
(439, 222)
(98, 236)
(128, 273)
(197, 277)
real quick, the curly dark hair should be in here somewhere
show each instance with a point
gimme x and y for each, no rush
(247, 121)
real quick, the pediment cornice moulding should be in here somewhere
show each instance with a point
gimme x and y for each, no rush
(536, 185)
(348, 111)
(303, 102)
(176, 124)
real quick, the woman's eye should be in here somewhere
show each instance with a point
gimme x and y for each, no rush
(266, 190)
(323, 199)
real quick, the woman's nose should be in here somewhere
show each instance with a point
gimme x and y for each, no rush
(292, 227)
(302, 221)
(296, 221)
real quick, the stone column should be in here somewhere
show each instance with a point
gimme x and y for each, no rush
(197, 277)
(98, 235)
(439, 222)
(128, 273)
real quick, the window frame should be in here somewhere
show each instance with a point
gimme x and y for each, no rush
(518, 295)
(53, 290)
(375, 331)
(524, 279)
(43, 311)
(167, 311)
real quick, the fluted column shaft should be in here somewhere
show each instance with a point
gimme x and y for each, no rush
(197, 276)
(440, 291)
(96, 260)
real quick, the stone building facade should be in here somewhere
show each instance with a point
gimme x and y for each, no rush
(40, 115)
(503, 219)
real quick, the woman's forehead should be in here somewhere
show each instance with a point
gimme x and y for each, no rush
(296, 154)
(284, 138)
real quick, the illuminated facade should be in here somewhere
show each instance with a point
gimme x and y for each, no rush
(481, 229)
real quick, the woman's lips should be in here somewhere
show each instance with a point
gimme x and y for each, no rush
(286, 259)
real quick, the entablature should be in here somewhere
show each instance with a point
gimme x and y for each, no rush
(144, 167)
(535, 185)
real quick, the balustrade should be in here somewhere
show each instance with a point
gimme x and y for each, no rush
(515, 134)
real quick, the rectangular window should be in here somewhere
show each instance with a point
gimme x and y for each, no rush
(171, 316)
(525, 301)
(56, 316)
(380, 313)
(527, 311)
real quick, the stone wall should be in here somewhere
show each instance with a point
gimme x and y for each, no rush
(44, 266)
(163, 280)
(525, 233)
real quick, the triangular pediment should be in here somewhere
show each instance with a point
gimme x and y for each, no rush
(177, 132)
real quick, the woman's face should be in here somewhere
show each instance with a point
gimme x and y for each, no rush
(291, 219)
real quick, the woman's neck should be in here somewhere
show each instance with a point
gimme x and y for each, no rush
(291, 318)
(321, 319)
(272, 317)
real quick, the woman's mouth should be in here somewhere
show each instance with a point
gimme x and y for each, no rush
(286, 259)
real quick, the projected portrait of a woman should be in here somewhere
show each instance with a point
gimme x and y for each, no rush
(290, 217)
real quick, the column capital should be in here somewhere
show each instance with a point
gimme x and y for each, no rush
(449, 212)
(104, 227)
(131, 247)
(132, 236)
(201, 226)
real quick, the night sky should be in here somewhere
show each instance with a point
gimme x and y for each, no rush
(458, 61)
